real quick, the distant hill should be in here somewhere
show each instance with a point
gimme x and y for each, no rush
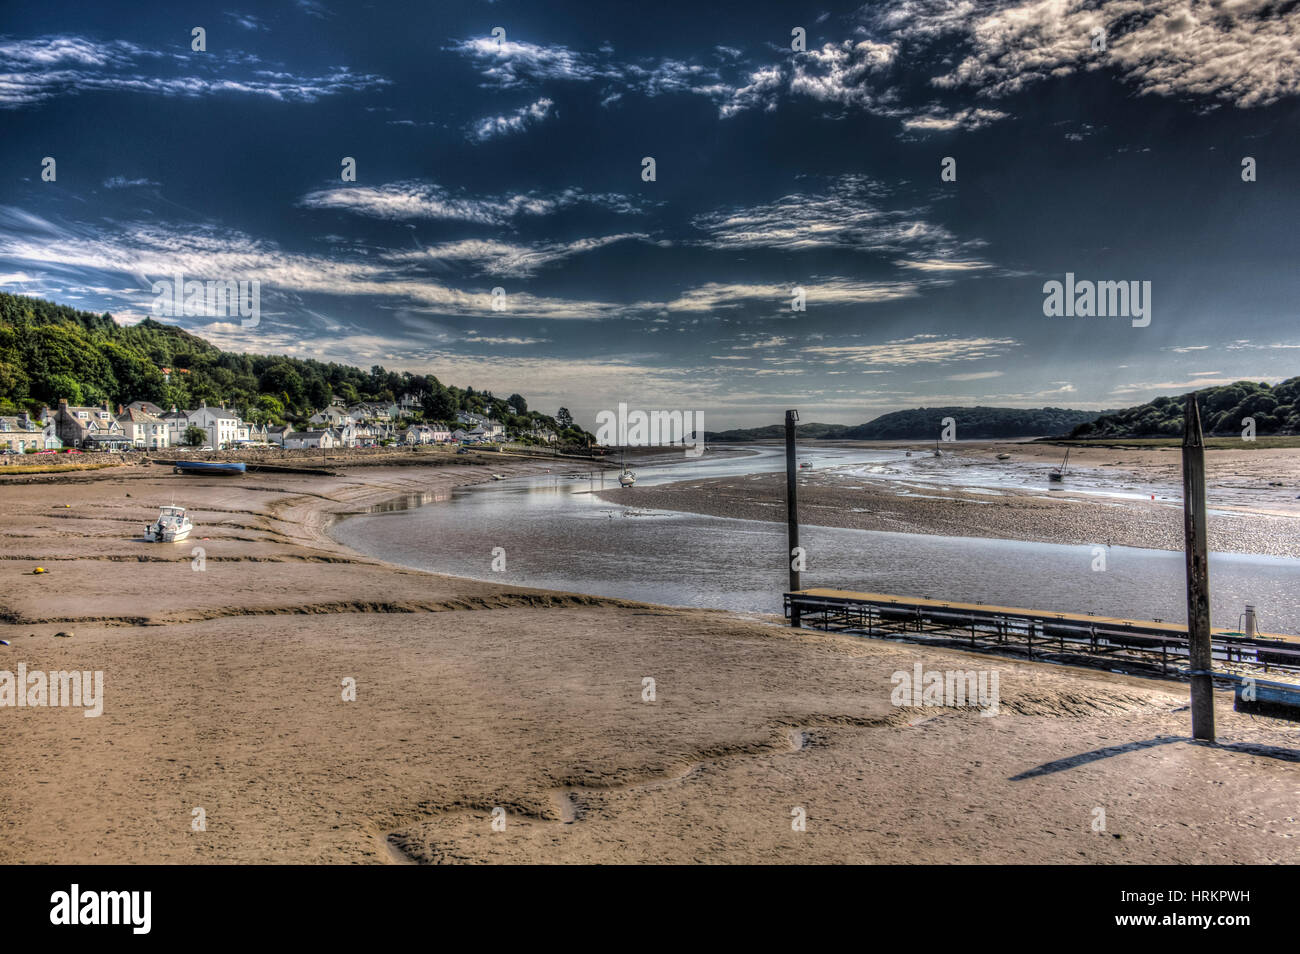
(1276, 410)
(926, 423)
(774, 432)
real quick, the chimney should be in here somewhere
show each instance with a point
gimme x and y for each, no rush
(63, 402)
(120, 409)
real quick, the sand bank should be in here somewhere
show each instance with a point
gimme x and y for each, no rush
(834, 499)
(223, 692)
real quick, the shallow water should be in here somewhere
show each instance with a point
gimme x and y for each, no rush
(556, 535)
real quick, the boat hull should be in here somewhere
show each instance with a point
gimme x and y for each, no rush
(214, 468)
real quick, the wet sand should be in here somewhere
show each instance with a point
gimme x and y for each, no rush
(832, 498)
(222, 692)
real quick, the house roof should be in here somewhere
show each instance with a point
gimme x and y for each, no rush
(138, 416)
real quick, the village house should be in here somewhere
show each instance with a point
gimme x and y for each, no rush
(323, 440)
(275, 434)
(176, 422)
(425, 434)
(409, 404)
(75, 425)
(147, 406)
(142, 428)
(19, 433)
(222, 425)
(331, 416)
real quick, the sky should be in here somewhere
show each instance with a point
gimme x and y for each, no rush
(502, 145)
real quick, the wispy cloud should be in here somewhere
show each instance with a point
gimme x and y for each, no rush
(848, 215)
(493, 127)
(918, 349)
(414, 199)
(490, 257)
(35, 70)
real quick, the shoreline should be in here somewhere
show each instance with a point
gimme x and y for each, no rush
(222, 691)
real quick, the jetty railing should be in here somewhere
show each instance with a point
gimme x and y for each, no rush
(1031, 632)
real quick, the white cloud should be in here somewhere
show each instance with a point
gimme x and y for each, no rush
(918, 349)
(1245, 52)
(121, 182)
(975, 376)
(492, 127)
(849, 216)
(491, 257)
(34, 70)
(412, 199)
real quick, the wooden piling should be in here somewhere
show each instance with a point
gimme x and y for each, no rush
(791, 508)
(1198, 574)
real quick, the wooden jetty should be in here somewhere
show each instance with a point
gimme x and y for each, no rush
(1016, 629)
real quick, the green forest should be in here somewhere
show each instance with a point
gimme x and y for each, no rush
(1275, 409)
(50, 351)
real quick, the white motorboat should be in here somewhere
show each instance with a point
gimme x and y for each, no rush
(627, 478)
(173, 524)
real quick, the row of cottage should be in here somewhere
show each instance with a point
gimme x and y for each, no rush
(146, 426)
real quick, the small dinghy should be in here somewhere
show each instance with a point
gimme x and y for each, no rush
(173, 524)
(1004, 457)
(627, 478)
(1057, 474)
(214, 467)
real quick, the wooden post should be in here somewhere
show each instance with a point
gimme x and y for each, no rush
(1198, 574)
(791, 508)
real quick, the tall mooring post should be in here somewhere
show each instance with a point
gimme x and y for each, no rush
(792, 508)
(1198, 574)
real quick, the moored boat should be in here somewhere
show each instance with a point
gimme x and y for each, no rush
(172, 525)
(214, 467)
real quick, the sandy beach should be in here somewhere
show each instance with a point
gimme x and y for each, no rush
(223, 691)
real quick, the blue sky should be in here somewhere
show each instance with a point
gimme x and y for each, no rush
(515, 162)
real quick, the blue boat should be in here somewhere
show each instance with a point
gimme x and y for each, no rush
(220, 468)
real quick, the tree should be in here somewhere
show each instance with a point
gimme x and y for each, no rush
(564, 418)
(439, 404)
(518, 403)
(194, 435)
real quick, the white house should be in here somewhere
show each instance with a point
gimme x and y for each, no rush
(142, 428)
(409, 403)
(176, 422)
(324, 440)
(223, 425)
